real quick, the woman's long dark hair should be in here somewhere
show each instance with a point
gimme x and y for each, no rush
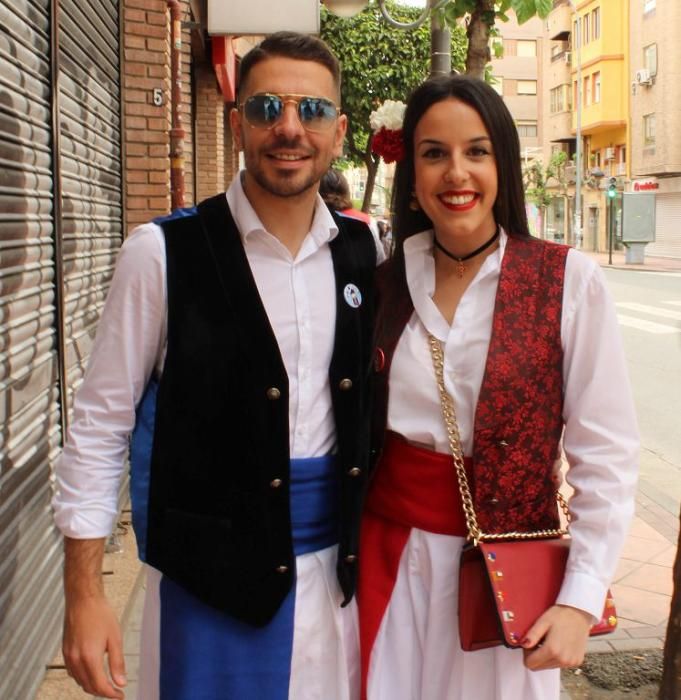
(509, 207)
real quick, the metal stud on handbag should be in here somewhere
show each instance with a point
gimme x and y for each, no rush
(506, 580)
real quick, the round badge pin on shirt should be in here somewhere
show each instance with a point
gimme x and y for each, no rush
(353, 297)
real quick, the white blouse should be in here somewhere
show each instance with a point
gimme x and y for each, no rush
(601, 435)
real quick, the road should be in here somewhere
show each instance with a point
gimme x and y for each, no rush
(649, 311)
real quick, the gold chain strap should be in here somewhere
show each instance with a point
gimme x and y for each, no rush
(475, 534)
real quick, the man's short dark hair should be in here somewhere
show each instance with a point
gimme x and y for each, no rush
(302, 47)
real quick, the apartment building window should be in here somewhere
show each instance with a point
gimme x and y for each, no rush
(527, 87)
(650, 58)
(649, 130)
(586, 95)
(648, 6)
(526, 48)
(527, 128)
(596, 87)
(596, 24)
(575, 34)
(557, 99)
(498, 84)
(585, 29)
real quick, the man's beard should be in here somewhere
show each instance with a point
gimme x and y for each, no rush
(286, 183)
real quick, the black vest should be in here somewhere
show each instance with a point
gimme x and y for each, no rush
(219, 521)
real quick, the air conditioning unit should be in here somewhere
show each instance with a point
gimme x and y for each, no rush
(643, 76)
(568, 57)
(610, 153)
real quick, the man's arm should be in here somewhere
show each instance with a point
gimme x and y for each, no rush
(90, 625)
(129, 344)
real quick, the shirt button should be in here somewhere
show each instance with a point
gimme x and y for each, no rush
(355, 471)
(350, 559)
(503, 443)
(273, 393)
(276, 483)
(345, 384)
(282, 569)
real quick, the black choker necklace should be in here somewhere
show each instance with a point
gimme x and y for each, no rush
(462, 258)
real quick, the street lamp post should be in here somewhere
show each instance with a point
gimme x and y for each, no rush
(577, 228)
(440, 36)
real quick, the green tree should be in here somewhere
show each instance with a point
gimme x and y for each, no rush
(538, 183)
(379, 63)
(480, 18)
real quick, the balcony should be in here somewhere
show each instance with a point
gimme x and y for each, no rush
(559, 23)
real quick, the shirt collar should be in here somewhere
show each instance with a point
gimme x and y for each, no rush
(420, 271)
(323, 229)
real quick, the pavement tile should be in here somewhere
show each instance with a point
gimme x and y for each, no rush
(643, 607)
(624, 623)
(634, 644)
(640, 528)
(624, 568)
(665, 558)
(598, 646)
(650, 577)
(648, 631)
(642, 550)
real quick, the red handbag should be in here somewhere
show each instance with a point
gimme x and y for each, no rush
(504, 586)
(506, 581)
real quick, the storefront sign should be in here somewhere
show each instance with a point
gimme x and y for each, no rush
(644, 185)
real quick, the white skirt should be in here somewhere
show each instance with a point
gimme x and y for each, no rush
(417, 654)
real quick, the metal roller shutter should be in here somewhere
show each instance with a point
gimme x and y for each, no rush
(52, 249)
(89, 121)
(667, 227)
(30, 549)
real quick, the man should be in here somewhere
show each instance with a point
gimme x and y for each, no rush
(235, 346)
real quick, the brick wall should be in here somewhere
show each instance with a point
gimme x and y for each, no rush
(231, 153)
(210, 134)
(146, 67)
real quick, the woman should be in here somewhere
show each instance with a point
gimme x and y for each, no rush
(531, 349)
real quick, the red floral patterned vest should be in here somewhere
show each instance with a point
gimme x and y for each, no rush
(518, 420)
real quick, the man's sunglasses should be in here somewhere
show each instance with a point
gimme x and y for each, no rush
(265, 110)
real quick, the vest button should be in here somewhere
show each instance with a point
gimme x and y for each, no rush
(493, 501)
(345, 384)
(276, 483)
(354, 471)
(503, 443)
(282, 569)
(273, 393)
(350, 559)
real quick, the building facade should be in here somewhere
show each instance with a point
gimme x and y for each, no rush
(85, 119)
(655, 99)
(586, 69)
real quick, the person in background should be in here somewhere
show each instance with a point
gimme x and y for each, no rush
(235, 347)
(335, 191)
(531, 351)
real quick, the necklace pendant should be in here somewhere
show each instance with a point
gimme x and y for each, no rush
(462, 269)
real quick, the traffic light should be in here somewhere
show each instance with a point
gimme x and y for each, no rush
(612, 188)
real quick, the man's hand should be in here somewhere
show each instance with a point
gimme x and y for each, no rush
(90, 625)
(557, 639)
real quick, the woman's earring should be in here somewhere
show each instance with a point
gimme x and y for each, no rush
(413, 202)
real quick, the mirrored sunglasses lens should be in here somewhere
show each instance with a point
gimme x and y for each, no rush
(263, 110)
(316, 112)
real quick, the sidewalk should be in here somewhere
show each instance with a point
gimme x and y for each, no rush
(650, 264)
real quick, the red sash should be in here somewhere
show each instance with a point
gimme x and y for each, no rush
(413, 487)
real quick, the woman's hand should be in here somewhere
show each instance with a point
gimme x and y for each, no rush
(557, 639)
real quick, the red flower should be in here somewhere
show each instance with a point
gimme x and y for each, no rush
(388, 144)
